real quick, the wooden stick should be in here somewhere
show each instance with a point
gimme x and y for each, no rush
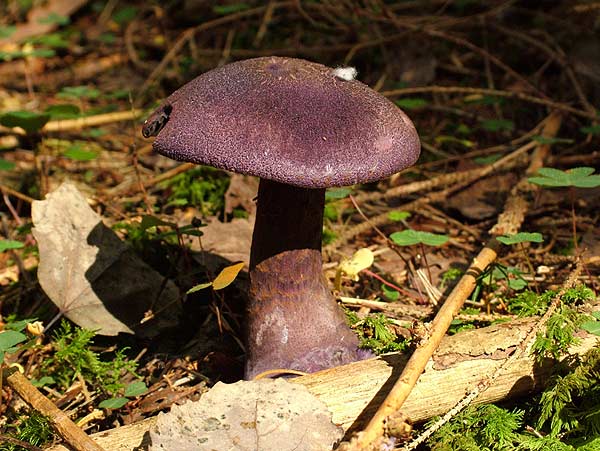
(81, 122)
(68, 430)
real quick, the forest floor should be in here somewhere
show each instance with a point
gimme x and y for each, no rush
(504, 96)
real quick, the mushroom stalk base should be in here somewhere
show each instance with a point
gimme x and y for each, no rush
(294, 321)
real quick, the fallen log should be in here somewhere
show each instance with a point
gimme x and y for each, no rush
(353, 392)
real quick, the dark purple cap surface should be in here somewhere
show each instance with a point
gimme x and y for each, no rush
(287, 120)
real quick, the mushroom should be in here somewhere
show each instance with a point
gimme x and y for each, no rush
(301, 127)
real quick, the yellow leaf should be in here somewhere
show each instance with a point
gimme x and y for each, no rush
(362, 259)
(202, 286)
(227, 276)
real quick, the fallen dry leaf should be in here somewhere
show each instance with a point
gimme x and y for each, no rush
(226, 240)
(263, 415)
(241, 193)
(94, 278)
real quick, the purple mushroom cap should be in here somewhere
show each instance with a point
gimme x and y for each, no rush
(287, 120)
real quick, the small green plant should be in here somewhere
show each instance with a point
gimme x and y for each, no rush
(12, 338)
(154, 239)
(582, 177)
(27, 120)
(133, 390)
(202, 187)
(375, 334)
(569, 405)
(521, 237)
(410, 237)
(477, 428)
(6, 165)
(494, 273)
(559, 334)
(34, 430)
(528, 303)
(592, 326)
(73, 357)
(398, 215)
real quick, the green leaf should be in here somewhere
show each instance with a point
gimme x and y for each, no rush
(411, 237)
(596, 315)
(63, 111)
(488, 159)
(496, 125)
(593, 327)
(6, 165)
(411, 103)
(52, 40)
(398, 216)
(6, 31)
(521, 237)
(230, 9)
(10, 244)
(78, 92)
(581, 177)
(227, 276)
(10, 338)
(107, 38)
(125, 15)
(517, 284)
(44, 380)
(54, 19)
(153, 221)
(94, 132)
(136, 388)
(76, 152)
(591, 130)
(28, 121)
(19, 325)
(390, 293)
(113, 403)
(337, 193)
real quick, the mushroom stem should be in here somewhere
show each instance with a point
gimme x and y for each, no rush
(294, 321)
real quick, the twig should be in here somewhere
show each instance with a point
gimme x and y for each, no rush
(82, 122)
(489, 92)
(191, 32)
(397, 308)
(65, 427)
(464, 43)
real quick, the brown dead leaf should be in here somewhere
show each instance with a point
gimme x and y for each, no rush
(483, 199)
(227, 240)
(241, 193)
(91, 275)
